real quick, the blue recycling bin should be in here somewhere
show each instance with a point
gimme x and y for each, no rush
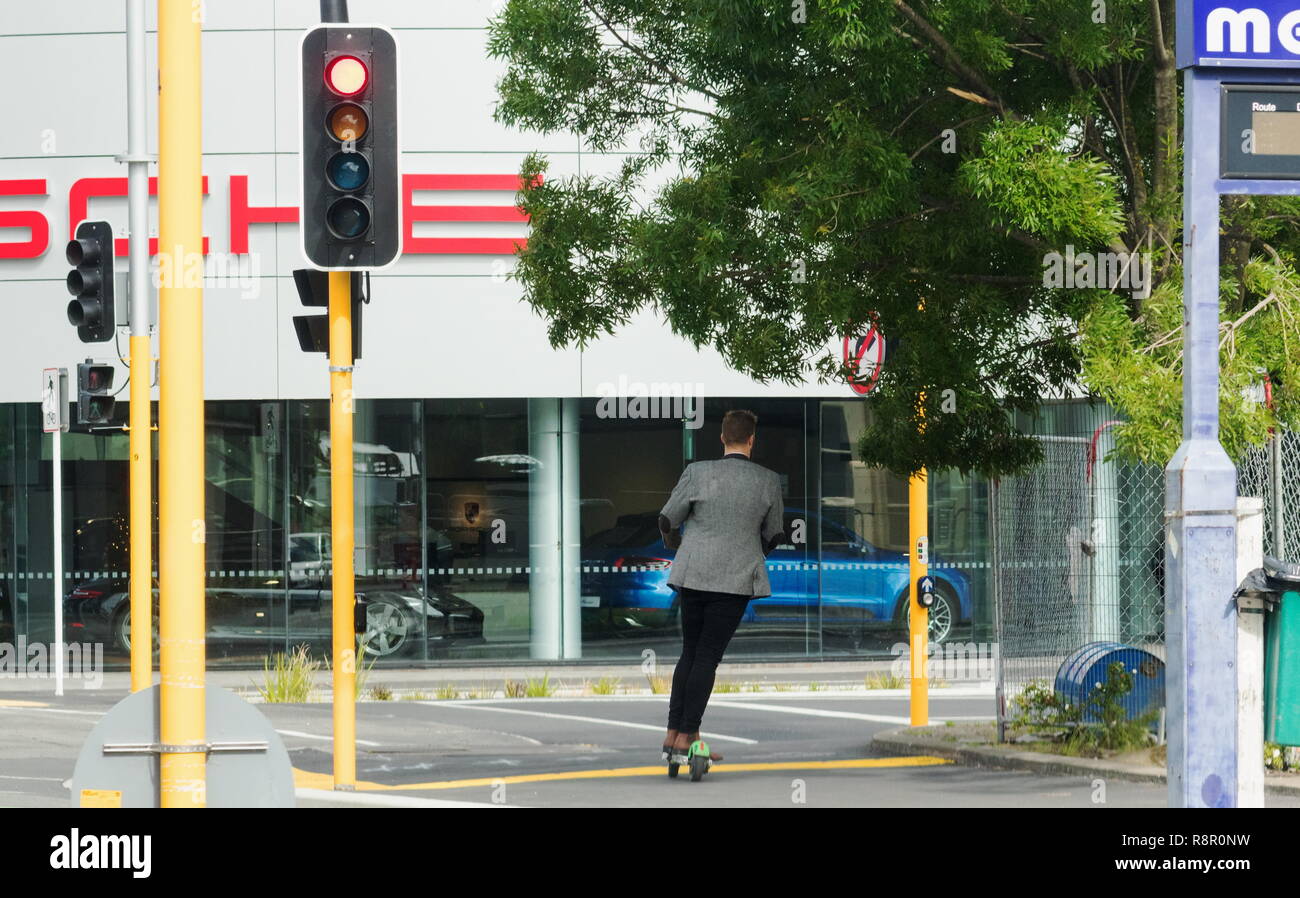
(1086, 668)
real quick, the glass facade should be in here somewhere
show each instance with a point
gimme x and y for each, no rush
(487, 529)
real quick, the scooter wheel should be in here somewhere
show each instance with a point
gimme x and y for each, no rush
(672, 770)
(698, 767)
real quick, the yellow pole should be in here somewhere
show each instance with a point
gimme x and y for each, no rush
(342, 534)
(141, 519)
(918, 629)
(180, 408)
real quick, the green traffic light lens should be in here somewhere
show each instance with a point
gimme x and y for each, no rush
(348, 171)
(348, 218)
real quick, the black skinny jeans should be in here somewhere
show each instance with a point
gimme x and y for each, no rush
(709, 620)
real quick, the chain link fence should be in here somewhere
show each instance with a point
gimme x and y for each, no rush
(1078, 550)
(1078, 557)
(1272, 473)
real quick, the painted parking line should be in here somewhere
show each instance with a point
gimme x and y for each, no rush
(578, 717)
(18, 703)
(304, 779)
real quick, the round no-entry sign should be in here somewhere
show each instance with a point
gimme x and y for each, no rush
(864, 356)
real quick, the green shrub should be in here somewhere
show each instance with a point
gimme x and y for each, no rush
(288, 678)
(1041, 710)
(604, 686)
(885, 681)
(539, 688)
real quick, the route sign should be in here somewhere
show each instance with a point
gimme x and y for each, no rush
(1260, 131)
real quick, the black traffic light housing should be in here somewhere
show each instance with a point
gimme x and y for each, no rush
(351, 215)
(95, 402)
(91, 281)
(314, 291)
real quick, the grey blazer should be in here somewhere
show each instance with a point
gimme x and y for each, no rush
(733, 512)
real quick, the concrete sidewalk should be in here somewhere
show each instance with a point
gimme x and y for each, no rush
(935, 741)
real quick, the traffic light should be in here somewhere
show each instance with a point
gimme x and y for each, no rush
(94, 402)
(351, 211)
(314, 291)
(91, 281)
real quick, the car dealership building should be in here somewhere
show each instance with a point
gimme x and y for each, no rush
(505, 497)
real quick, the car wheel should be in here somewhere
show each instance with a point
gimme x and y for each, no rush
(122, 630)
(388, 629)
(944, 614)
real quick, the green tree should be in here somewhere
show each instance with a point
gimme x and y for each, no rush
(799, 170)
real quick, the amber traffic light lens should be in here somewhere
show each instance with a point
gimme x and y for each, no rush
(346, 76)
(348, 122)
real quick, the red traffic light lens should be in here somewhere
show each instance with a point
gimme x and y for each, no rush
(346, 76)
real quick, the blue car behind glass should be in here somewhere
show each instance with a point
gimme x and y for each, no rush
(861, 588)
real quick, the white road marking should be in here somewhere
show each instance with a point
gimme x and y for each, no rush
(940, 694)
(811, 712)
(617, 723)
(51, 710)
(301, 735)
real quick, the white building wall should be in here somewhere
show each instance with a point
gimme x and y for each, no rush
(440, 325)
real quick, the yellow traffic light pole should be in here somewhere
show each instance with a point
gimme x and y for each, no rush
(183, 759)
(919, 619)
(342, 534)
(141, 517)
(141, 424)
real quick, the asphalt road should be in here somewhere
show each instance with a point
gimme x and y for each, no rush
(781, 750)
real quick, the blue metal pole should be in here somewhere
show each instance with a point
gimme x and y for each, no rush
(1200, 500)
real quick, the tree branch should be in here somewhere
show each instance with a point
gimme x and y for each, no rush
(952, 60)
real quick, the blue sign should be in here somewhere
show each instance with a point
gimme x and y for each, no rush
(1251, 33)
(927, 584)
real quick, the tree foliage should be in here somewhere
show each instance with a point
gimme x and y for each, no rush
(796, 171)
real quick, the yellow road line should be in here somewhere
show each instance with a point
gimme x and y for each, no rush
(307, 780)
(18, 703)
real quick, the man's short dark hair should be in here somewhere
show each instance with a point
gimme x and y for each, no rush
(738, 426)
